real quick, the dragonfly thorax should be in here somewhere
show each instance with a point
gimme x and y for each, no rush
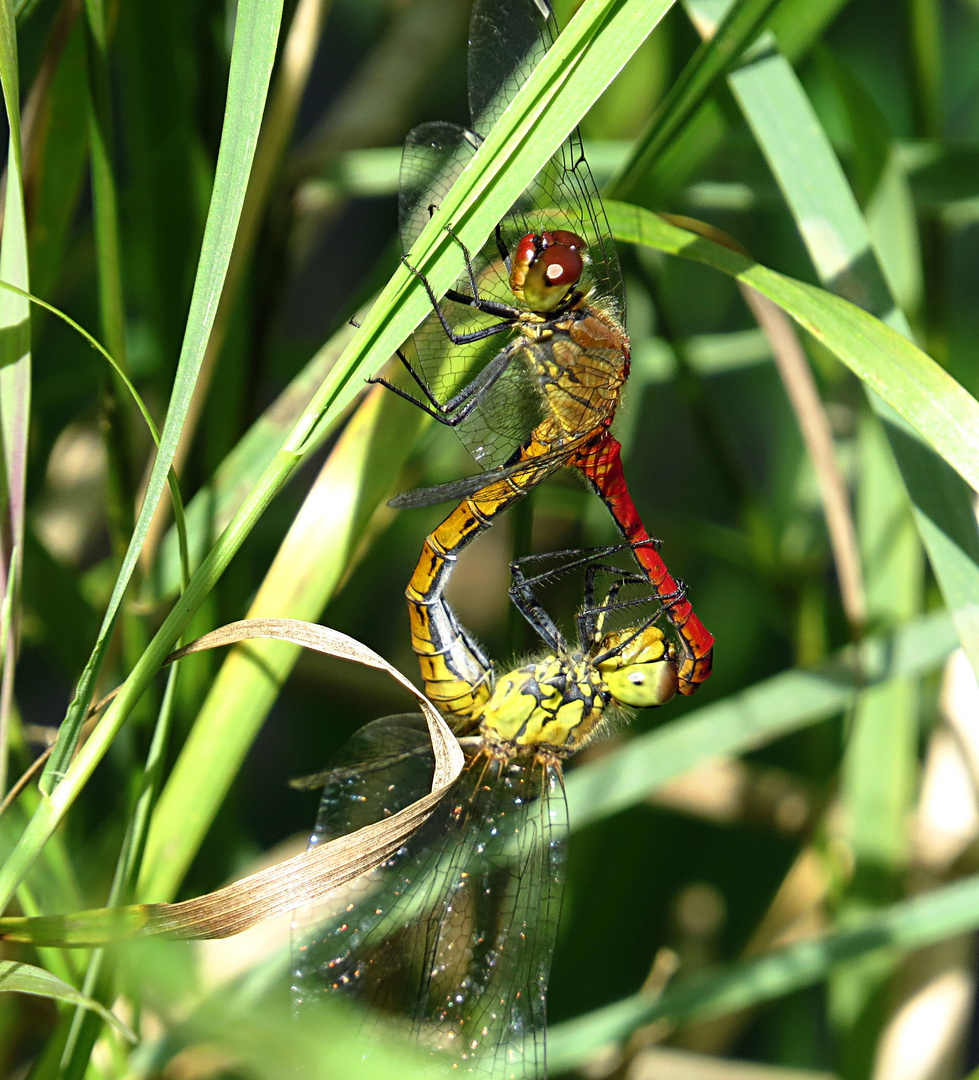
(553, 705)
(546, 267)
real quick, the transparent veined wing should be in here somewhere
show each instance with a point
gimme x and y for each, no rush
(507, 40)
(453, 936)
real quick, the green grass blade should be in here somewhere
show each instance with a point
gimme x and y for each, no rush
(253, 52)
(15, 381)
(116, 428)
(839, 243)
(797, 27)
(323, 543)
(925, 17)
(214, 505)
(105, 200)
(941, 415)
(742, 22)
(60, 152)
(26, 979)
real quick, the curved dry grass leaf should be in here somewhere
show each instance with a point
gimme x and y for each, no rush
(289, 884)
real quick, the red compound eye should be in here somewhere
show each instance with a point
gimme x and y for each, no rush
(527, 251)
(545, 267)
(561, 266)
(564, 238)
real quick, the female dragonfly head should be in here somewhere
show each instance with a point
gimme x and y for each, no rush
(638, 666)
(546, 267)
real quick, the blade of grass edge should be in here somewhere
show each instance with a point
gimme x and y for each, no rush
(15, 378)
(742, 22)
(836, 235)
(21, 978)
(115, 426)
(253, 52)
(324, 541)
(938, 412)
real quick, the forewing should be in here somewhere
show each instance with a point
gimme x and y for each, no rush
(434, 155)
(383, 768)
(507, 39)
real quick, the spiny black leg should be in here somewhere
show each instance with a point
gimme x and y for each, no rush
(588, 619)
(470, 270)
(452, 412)
(574, 557)
(533, 611)
(458, 339)
(420, 382)
(522, 590)
(488, 307)
(501, 245)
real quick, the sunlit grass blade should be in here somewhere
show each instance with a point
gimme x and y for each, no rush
(943, 416)
(252, 56)
(326, 538)
(214, 505)
(289, 84)
(15, 381)
(839, 243)
(742, 22)
(26, 979)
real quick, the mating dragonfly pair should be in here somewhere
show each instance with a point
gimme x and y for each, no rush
(455, 932)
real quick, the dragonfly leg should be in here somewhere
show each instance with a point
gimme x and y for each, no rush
(527, 603)
(419, 382)
(501, 246)
(591, 620)
(573, 558)
(491, 307)
(452, 412)
(535, 613)
(601, 464)
(470, 270)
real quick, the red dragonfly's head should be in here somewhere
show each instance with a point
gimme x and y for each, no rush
(546, 267)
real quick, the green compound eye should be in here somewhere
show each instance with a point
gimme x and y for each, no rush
(643, 686)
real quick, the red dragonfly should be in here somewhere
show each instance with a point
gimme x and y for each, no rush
(549, 280)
